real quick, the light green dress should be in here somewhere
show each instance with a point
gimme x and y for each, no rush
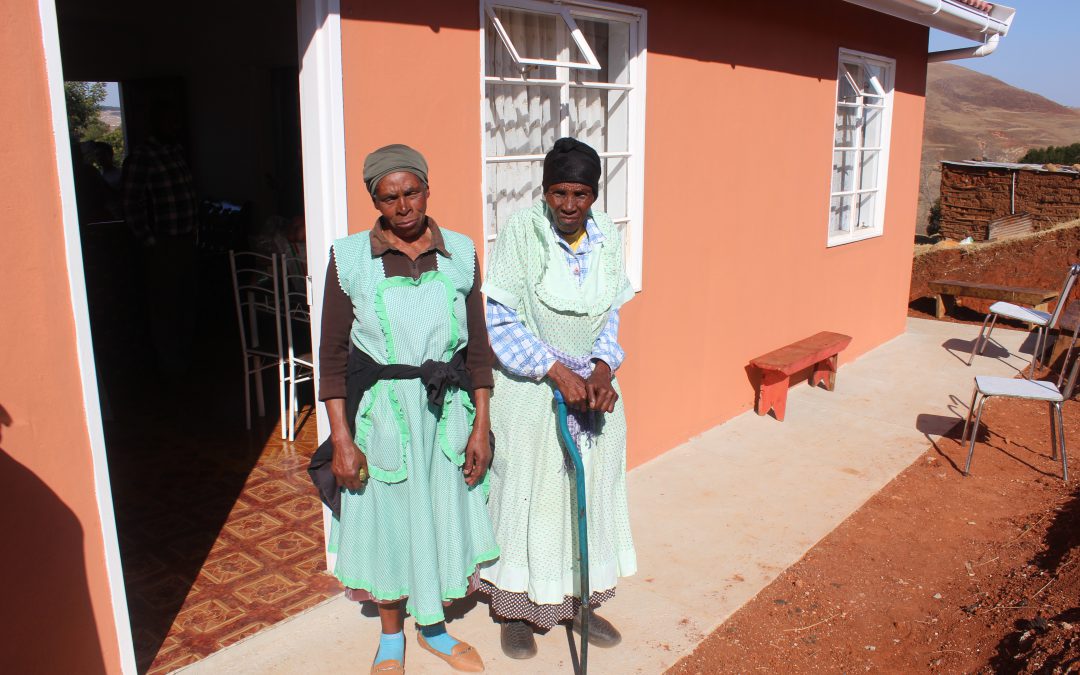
(531, 490)
(416, 529)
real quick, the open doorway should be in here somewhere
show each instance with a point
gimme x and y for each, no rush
(220, 534)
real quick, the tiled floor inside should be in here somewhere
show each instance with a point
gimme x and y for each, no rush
(202, 574)
(220, 528)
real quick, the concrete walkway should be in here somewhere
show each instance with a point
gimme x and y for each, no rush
(715, 520)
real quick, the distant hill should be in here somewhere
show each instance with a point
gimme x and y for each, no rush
(974, 116)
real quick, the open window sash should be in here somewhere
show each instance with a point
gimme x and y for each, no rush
(590, 63)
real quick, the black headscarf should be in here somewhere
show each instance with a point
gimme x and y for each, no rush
(571, 161)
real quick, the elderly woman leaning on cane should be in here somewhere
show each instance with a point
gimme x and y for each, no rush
(403, 316)
(555, 284)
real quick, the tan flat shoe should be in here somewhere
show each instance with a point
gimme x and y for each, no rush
(462, 657)
(388, 667)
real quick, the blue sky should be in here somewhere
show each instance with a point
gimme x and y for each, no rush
(1039, 54)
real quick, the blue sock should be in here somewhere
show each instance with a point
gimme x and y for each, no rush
(438, 638)
(391, 646)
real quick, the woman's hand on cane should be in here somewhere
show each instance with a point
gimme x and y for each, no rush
(571, 385)
(602, 395)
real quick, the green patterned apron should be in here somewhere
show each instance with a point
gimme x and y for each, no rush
(530, 488)
(416, 529)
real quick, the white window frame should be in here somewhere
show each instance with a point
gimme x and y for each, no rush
(886, 91)
(634, 226)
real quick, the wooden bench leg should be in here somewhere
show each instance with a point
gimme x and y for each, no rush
(772, 393)
(939, 306)
(825, 371)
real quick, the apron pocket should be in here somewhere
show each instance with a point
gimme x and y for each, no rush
(382, 434)
(455, 425)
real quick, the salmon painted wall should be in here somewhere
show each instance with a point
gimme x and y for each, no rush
(56, 609)
(739, 123)
(418, 84)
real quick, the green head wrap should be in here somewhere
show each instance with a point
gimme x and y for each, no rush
(388, 159)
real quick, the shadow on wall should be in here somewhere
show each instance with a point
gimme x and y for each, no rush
(46, 612)
(797, 38)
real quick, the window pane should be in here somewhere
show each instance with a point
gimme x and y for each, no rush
(520, 119)
(511, 186)
(843, 177)
(871, 128)
(847, 93)
(873, 79)
(840, 215)
(538, 36)
(610, 42)
(868, 172)
(614, 187)
(600, 118)
(847, 122)
(867, 211)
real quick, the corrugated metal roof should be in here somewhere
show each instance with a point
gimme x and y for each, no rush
(1058, 168)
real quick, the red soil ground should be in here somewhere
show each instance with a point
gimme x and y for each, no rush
(939, 572)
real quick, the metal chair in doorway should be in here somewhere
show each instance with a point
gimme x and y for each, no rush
(257, 294)
(299, 367)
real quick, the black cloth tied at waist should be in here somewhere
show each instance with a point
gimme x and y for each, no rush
(361, 374)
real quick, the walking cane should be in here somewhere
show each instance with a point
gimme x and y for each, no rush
(583, 530)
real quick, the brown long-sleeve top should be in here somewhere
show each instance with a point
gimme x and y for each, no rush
(337, 315)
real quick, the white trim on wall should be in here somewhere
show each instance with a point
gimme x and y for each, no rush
(323, 138)
(322, 120)
(50, 36)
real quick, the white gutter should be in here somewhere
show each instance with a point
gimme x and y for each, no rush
(951, 17)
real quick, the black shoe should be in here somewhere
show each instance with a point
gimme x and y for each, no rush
(517, 640)
(601, 632)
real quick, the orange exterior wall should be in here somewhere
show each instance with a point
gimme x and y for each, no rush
(56, 612)
(739, 119)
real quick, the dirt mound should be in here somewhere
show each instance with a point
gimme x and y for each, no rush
(1037, 260)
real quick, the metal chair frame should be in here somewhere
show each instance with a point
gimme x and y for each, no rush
(257, 291)
(297, 308)
(1042, 325)
(1056, 418)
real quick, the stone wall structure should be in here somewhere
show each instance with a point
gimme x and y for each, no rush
(975, 193)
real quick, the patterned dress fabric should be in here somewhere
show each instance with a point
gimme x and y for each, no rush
(416, 529)
(537, 576)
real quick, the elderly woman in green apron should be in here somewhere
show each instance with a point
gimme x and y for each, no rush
(403, 323)
(554, 287)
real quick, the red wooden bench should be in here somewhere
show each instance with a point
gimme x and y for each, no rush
(777, 366)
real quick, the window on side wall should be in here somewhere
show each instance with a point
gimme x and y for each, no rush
(860, 156)
(554, 70)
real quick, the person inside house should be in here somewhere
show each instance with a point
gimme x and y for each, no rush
(406, 376)
(555, 283)
(161, 210)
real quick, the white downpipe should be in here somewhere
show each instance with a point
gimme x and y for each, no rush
(984, 49)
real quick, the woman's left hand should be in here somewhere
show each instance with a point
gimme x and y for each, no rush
(477, 457)
(478, 449)
(602, 395)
